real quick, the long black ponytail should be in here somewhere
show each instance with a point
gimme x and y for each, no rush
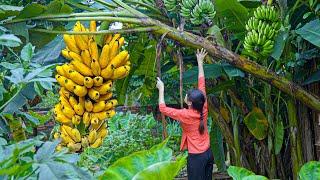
(197, 99)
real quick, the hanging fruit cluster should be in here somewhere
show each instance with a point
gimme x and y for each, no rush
(262, 29)
(195, 11)
(86, 81)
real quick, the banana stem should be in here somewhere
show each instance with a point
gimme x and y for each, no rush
(102, 18)
(80, 6)
(130, 9)
(145, 5)
(139, 29)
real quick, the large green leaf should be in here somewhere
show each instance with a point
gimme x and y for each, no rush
(279, 44)
(7, 11)
(238, 173)
(279, 134)
(162, 170)
(234, 14)
(216, 143)
(31, 10)
(311, 32)
(250, 3)
(211, 71)
(50, 52)
(313, 78)
(129, 166)
(255, 177)
(19, 29)
(58, 7)
(10, 40)
(310, 171)
(27, 52)
(257, 123)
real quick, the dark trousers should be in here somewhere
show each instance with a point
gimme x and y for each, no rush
(199, 166)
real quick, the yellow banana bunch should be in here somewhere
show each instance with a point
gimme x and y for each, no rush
(85, 102)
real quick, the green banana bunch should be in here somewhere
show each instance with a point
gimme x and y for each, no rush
(262, 29)
(203, 12)
(187, 7)
(170, 5)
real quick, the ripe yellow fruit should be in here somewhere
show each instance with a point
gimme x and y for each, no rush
(64, 102)
(64, 92)
(94, 121)
(114, 102)
(107, 72)
(86, 119)
(108, 106)
(88, 105)
(80, 91)
(56, 135)
(92, 136)
(75, 56)
(81, 42)
(107, 38)
(111, 113)
(61, 80)
(97, 81)
(93, 94)
(67, 67)
(66, 138)
(74, 147)
(102, 133)
(99, 106)
(73, 101)
(93, 26)
(76, 134)
(84, 142)
(62, 119)
(104, 56)
(104, 88)
(59, 148)
(88, 82)
(82, 68)
(121, 42)
(114, 39)
(86, 58)
(105, 97)
(81, 101)
(69, 85)
(101, 115)
(93, 49)
(95, 67)
(76, 120)
(68, 112)
(71, 43)
(76, 77)
(119, 59)
(65, 53)
(78, 109)
(114, 49)
(121, 72)
(60, 71)
(97, 143)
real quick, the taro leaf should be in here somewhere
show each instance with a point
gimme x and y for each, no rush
(31, 10)
(19, 29)
(313, 78)
(50, 52)
(257, 123)
(310, 170)
(216, 32)
(127, 167)
(27, 52)
(46, 151)
(279, 134)
(279, 44)
(162, 170)
(10, 40)
(311, 32)
(250, 3)
(238, 173)
(255, 177)
(216, 143)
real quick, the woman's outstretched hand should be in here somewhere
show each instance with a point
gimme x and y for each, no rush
(159, 85)
(200, 55)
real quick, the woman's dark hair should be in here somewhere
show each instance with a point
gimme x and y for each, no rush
(196, 97)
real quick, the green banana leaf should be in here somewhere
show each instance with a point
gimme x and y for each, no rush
(129, 166)
(310, 171)
(255, 177)
(238, 173)
(162, 170)
(257, 123)
(216, 143)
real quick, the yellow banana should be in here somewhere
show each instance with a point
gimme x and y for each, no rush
(62, 119)
(60, 71)
(74, 147)
(82, 68)
(80, 42)
(93, 49)
(65, 53)
(88, 82)
(80, 91)
(68, 112)
(104, 88)
(94, 121)
(121, 72)
(77, 26)
(69, 85)
(82, 100)
(114, 49)
(107, 72)
(76, 134)
(93, 94)
(102, 133)
(114, 102)
(66, 139)
(111, 113)
(84, 142)
(97, 143)
(59, 148)
(121, 42)
(86, 119)
(73, 101)
(119, 59)
(93, 26)
(95, 67)
(107, 38)
(105, 96)
(92, 136)
(114, 38)
(99, 106)
(71, 43)
(78, 109)
(108, 106)
(76, 77)
(76, 120)
(75, 56)
(64, 102)
(64, 92)
(61, 80)
(67, 67)
(56, 135)
(97, 81)
(88, 105)
(86, 58)
(104, 56)
(101, 115)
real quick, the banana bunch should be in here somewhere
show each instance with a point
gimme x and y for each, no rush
(203, 12)
(170, 5)
(85, 101)
(262, 29)
(186, 8)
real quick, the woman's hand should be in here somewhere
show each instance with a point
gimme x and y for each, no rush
(200, 55)
(160, 84)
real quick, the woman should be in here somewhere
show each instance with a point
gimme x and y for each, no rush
(195, 137)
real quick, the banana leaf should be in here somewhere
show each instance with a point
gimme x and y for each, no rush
(257, 123)
(238, 173)
(310, 170)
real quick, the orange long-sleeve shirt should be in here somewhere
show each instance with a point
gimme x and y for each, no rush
(190, 121)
